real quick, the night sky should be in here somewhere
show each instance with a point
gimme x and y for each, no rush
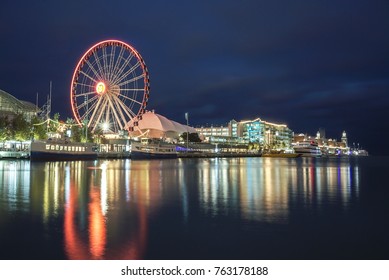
(308, 64)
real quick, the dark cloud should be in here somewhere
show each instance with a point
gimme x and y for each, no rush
(309, 64)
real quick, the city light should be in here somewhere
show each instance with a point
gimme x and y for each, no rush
(105, 126)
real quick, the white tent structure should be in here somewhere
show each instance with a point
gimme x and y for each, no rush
(153, 125)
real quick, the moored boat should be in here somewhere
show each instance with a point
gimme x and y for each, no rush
(62, 150)
(152, 149)
(14, 154)
(307, 148)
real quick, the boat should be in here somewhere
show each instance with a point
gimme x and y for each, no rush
(59, 149)
(358, 152)
(12, 149)
(11, 154)
(307, 148)
(150, 148)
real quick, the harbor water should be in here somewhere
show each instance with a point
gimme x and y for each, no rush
(213, 208)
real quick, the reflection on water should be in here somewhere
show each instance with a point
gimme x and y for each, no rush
(265, 189)
(106, 209)
(14, 185)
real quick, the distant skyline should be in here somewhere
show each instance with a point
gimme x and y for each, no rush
(308, 64)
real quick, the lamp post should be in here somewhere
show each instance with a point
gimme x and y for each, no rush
(187, 130)
(85, 121)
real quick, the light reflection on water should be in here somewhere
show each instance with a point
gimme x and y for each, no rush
(107, 208)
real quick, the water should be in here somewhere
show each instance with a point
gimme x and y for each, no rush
(235, 208)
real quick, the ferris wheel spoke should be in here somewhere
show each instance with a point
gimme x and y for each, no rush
(86, 75)
(85, 115)
(120, 68)
(104, 112)
(87, 103)
(97, 59)
(130, 99)
(90, 105)
(87, 111)
(120, 110)
(108, 112)
(115, 113)
(93, 70)
(84, 85)
(105, 63)
(131, 80)
(127, 62)
(85, 93)
(129, 112)
(111, 62)
(117, 63)
(100, 112)
(129, 71)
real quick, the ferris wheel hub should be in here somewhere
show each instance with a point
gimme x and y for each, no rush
(100, 88)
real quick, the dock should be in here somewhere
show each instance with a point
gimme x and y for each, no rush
(14, 155)
(217, 155)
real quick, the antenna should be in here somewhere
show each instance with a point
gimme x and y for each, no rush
(36, 104)
(46, 108)
(49, 103)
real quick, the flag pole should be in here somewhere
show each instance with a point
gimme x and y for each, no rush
(187, 130)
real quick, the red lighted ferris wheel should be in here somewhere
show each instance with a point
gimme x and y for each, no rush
(110, 87)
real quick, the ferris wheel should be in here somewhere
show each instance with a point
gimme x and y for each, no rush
(110, 87)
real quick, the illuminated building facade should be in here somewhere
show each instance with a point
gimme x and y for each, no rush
(218, 134)
(257, 131)
(266, 134)
(214, 131)
(327, 146)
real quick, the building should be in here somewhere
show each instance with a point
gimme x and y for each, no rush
(10, 106)
(223, 131)
(327, 146)
(266, 134)
(257, 132)
(153, 125)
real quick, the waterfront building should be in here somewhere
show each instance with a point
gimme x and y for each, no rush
(327, 146)
(220, 134)
(150, 125)
(268, 135)
(344, 138)
(10, 106)
(256, 132)
(223, 130)
(153, 125)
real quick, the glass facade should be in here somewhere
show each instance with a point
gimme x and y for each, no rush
(257, 132)
(266, 134)
(9, 106)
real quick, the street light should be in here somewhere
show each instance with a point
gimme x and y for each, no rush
(187, 131)
(85, 122)
(105, 126)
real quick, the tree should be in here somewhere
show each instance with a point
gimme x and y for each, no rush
(20, 128)
(38, 128)
(75, 130)
(5, 131)
(192, 137)
(54, 123)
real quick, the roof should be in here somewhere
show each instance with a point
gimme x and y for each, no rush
(151, 120)
(11, 103)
